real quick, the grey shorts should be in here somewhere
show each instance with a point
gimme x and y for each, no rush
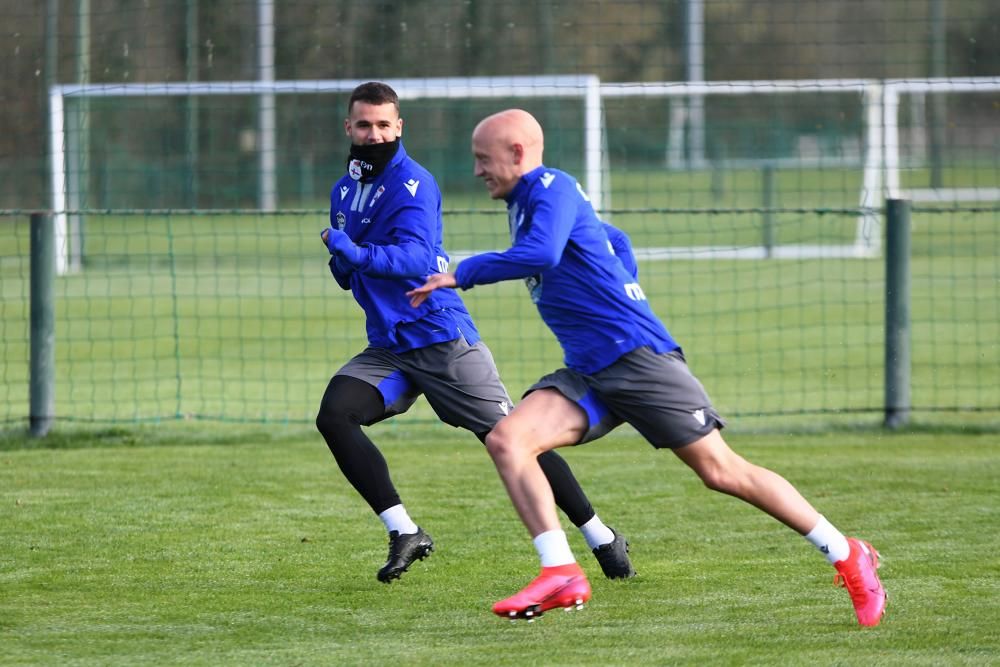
(460, 381)
(655, 393)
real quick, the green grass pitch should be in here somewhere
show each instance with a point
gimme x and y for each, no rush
(227, 545)
(161, 523)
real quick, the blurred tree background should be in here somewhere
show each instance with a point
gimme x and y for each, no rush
(210, 40)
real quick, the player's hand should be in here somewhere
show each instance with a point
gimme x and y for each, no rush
(341, 266)
(434, 281)
(339, 243)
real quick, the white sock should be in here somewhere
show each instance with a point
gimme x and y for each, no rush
(829, 540)
(553, 548)
(596, 533)
(396, 518)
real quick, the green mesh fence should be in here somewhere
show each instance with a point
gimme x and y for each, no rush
(748, 155)
(233, 316)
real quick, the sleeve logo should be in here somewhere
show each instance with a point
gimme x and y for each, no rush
(634, 292)
(412, 186)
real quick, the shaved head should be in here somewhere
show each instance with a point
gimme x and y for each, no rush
(506, 146)
(513, 126)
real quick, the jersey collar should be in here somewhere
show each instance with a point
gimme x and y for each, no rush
(524, 183)
(399, 156)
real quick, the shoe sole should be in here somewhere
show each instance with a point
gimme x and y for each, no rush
(389, 577)
(620, 575)
(555, 601)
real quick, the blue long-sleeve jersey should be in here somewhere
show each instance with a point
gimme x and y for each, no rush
(581, 272)
(396, 221)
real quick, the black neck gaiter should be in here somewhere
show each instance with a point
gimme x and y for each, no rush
(366, 162)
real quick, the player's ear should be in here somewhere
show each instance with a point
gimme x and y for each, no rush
(347, 126)
(399, 128)
(517, 152)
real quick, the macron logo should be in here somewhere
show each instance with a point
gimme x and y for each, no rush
(343, 192)
(699, 416)
(547, 179)
(412, 186)
(505, 406)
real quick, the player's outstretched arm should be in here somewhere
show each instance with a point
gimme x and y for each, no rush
(434, 281)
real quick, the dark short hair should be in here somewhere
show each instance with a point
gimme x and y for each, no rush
(373, 92)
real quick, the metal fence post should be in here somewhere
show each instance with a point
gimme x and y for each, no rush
(42, 381)
(767, 202)
(897, 313)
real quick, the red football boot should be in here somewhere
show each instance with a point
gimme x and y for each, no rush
(560, 586)
(857, 574)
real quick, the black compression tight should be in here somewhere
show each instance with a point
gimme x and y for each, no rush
(348, 403)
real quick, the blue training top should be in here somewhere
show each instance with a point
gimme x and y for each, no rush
(581, 272)
(396, 220)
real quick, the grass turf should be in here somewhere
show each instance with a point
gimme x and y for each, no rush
(222, 545)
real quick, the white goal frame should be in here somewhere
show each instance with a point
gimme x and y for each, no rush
(894, 88)
(880, 160)
(868, 236)
(586, 88)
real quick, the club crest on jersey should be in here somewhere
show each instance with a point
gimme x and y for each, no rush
(341, 219)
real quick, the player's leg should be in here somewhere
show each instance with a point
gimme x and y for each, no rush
(463, 386)
(608, 546)
(658, 394)
(348, 404)
(721, 469)
(543, 420)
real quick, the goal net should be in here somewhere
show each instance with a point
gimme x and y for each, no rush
(728, 169)
(764, 155)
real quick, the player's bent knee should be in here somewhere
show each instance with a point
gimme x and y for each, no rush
(497, 443)
(335, 423)
(716, 479)
(733, 476)
(326, 422)
(502, 443)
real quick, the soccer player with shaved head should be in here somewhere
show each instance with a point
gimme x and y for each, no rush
(622, 365)
(385, 235)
